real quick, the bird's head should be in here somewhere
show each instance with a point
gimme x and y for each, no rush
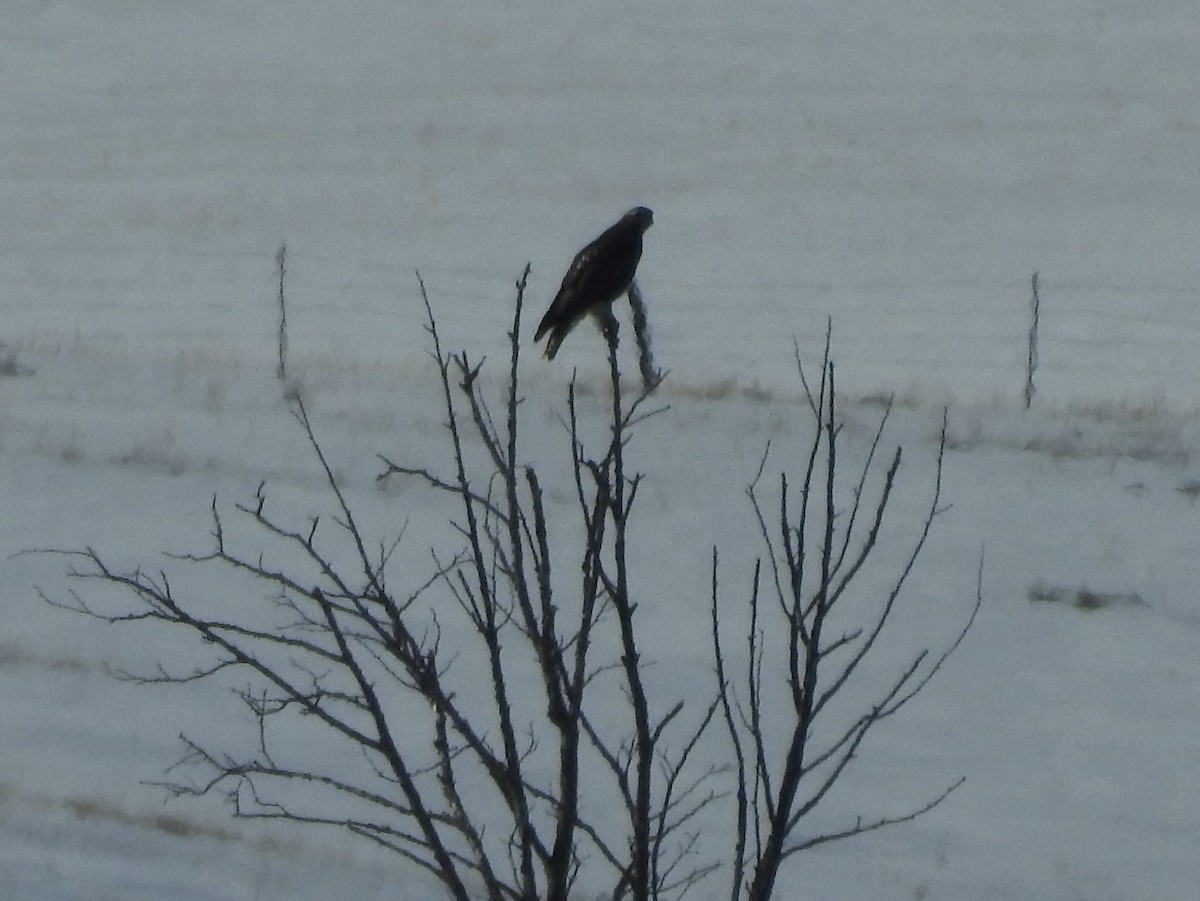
(641, 216)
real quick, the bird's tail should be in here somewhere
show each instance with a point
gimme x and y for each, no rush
(553, 343)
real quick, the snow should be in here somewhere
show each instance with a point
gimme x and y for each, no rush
(901, 168)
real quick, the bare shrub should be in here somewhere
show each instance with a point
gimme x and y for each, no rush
(397, 706)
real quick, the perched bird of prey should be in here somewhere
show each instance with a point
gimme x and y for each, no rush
(599, 274)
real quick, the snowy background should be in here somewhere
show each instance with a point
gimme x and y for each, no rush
(902, 168)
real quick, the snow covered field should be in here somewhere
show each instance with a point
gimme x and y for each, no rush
(903, 168)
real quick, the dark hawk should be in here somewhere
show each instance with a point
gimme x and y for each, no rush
(599, 274)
